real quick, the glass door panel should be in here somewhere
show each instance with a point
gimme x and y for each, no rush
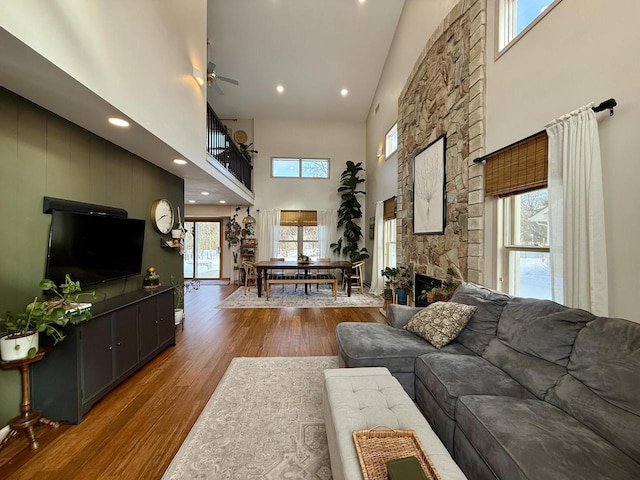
(202, 259)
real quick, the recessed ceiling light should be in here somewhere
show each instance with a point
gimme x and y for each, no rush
(344, 92)
(280, 88)
(180, 161)
(362, 1)
(118, 122)
(192, 201)
(204, 193)
(223, 201)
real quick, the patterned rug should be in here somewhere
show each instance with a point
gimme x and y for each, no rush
(264, 421)
(291, 297)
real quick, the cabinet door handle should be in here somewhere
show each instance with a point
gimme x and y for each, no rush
(109, 347)
(119, 344)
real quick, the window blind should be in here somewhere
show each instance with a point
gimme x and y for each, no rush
(518, 168)
(298, 218)
(389, 209)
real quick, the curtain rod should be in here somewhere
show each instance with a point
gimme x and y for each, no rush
(606, 105)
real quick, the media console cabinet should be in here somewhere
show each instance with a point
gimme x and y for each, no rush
(98, 354)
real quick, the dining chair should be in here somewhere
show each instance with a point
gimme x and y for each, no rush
(324, 271)
(357, 277)
(250, 275)
(279, 273)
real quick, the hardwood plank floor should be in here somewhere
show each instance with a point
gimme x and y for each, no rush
(134, 432)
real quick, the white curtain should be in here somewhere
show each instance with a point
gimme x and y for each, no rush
(327, 231)
(268, 230)
(576, 213)
(377, 280)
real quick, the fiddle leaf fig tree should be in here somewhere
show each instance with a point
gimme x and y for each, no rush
(349, 212)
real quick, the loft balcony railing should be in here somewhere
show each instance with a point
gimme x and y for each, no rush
(225, 151)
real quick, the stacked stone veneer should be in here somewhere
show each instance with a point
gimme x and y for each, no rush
(445, 95)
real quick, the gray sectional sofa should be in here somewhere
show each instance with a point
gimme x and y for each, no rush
(530, 389)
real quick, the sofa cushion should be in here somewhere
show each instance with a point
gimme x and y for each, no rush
(448, 377)
(440, 322)
(378, 345)
(531, 439)
(483, 323)
(601, 388)
(541, 328)
(535, 374)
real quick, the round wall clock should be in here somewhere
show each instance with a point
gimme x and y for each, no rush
(240, 136)
(162, 215)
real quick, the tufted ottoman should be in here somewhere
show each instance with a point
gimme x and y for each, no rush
(361, 398)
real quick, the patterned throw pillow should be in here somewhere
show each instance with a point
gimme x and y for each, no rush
(440, 322)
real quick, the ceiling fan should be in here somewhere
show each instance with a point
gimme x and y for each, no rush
(212, 78)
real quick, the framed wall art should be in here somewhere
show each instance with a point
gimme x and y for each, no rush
(429, 189)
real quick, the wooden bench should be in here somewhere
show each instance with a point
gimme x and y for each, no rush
(323, 278)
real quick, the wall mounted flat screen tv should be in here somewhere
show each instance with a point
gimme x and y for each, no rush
(94, 248)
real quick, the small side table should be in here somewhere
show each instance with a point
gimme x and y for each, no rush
(28, 417)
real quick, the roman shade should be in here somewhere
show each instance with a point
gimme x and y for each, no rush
(389, 209)
(298, 218)
(518, 168)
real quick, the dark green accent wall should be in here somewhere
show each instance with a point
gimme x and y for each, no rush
(42, 154)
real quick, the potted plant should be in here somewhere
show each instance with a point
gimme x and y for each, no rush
(181, 288)
(20, 330)
(403, 284)
(389, 273)
(246, 151)
(443, 293)
(349, 212)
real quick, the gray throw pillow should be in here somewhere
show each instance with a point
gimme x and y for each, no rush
(440, 322)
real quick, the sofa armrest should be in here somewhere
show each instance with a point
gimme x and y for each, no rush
(399, 315)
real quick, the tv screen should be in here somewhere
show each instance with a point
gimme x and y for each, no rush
(94, 248)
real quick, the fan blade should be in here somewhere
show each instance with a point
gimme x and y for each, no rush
(229, 80)
(211, 67)
(218, 89)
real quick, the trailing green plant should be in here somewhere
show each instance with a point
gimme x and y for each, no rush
(181, 288)
(48, 316)
(232, 230)
(404, 279)
(349, 212)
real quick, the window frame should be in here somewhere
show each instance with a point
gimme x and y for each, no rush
(507, 210)
(301, 161)
(393, 129)
(504, 30)
(300, 239)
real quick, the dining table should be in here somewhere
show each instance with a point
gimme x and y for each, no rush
(263, 267)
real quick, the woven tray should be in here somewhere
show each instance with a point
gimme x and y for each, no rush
(376, 447)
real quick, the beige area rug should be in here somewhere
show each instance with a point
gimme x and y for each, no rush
(264, 421)
(291, 297)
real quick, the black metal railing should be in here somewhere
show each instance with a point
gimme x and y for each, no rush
(225, 151)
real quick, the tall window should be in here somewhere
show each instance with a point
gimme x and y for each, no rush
(526, 269)
(389, 232)
(298, 234)
(391, 141)
(518, 175)
(300, 167)
(517, 16)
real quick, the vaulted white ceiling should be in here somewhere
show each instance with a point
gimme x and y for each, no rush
(314, 48)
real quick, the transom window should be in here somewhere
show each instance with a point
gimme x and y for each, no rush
(391, 143)
(300, 167)
(515, 17)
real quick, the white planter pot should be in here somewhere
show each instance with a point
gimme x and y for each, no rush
(177, 233)
(17, 348)
(178, 315)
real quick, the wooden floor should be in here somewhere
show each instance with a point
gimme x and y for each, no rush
(134, 432)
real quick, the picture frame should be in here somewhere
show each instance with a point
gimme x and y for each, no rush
(372, 227)
(429, 189)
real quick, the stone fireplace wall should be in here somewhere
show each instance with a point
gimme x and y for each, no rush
(445, 94)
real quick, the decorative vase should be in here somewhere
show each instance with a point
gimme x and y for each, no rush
(178, 314)
(151, 280)
(401, 293)
(18, 348)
